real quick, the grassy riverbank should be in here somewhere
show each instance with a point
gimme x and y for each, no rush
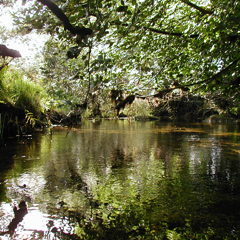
(21, 103)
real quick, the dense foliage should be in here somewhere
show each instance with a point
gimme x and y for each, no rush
(139, 46)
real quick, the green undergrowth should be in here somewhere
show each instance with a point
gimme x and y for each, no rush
(21, 92)
(22, 101)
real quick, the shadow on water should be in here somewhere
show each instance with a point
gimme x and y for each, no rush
(123, 180)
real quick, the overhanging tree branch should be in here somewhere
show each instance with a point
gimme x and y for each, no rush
(162, 32)
(81, 31)
(215, 76)
(177, 34)
(200, 9)
(6, 53)
(184, 87)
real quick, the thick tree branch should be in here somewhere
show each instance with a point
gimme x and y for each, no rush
(82, 31)
(200, 9)
(184, 87)
(177, 34)
(215, 76)
(7, 52)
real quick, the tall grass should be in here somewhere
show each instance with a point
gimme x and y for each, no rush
(24, 99)
(4, 96)
(22, 93)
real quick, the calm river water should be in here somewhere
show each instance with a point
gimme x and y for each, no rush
(117, 179)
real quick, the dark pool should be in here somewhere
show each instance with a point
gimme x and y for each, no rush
(115, 179)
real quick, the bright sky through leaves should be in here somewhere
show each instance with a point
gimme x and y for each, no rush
(28, 45)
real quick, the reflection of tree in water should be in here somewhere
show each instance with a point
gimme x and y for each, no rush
(119, 158)
(145, 190)
(19, 214)
(156, 208)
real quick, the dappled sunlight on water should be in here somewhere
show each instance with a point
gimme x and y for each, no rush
(123, 180)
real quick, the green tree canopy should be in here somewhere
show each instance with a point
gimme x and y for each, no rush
(141, 46)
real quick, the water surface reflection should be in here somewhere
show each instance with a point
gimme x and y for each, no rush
(124, 180)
